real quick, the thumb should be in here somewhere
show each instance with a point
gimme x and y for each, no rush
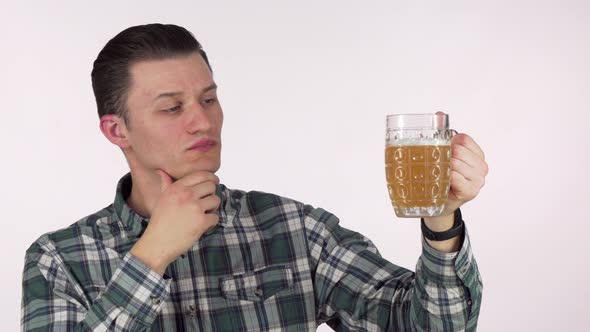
(165, 180)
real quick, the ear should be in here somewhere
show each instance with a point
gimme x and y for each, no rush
(114, 129)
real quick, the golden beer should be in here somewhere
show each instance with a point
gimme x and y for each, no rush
(418, 178)
(418, 163)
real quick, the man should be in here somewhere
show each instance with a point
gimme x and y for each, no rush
(177, 251)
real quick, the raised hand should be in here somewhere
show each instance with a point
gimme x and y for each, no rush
(184, 211)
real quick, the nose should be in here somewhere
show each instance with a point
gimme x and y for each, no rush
(197, 119)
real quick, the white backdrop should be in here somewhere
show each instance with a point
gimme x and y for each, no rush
(305, 87)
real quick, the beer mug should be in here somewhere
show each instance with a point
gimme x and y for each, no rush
(418, 163)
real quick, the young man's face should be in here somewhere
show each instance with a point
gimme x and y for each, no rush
(172, 106)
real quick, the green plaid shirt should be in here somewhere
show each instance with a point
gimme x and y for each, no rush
(271, 264)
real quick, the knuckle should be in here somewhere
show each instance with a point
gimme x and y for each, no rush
(184, 195)
(461, 138)
(173, 189)
(178, 189)
(204, 177)
(197, 177)
(482, 182)
(197, 208)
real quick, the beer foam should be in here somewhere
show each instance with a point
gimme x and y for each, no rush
(419, 141)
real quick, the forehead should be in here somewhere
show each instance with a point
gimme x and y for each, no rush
(151, 77)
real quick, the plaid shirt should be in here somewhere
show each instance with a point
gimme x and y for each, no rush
(271, 264)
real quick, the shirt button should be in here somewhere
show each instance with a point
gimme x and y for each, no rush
(463, 270)
(156, 300)
(190, 310)
(258, 292)
(469, 303)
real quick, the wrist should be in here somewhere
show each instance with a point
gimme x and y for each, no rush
(440, 223)
(153, 260)
(447, 240)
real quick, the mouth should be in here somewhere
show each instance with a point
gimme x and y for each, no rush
(203, 145)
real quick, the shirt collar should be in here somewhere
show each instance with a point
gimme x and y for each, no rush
(134, 223)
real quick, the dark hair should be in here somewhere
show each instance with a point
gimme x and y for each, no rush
(110, 72)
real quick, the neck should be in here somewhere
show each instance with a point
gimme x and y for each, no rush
(145, 191)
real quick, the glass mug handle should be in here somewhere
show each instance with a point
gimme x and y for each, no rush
(436, 135)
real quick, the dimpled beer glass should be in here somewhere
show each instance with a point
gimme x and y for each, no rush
(418, 163)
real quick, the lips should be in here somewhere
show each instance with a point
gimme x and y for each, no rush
(203, 145)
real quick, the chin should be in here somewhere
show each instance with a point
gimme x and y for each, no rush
(201, 166)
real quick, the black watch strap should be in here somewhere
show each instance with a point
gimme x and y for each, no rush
(457, 229)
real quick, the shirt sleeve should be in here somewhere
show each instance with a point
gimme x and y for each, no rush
(53, 300)
(357, 289)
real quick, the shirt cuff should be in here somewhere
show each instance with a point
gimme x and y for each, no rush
(136, 290)
(448, 269)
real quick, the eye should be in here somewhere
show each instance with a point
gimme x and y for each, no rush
(172, 110)
(209, 101)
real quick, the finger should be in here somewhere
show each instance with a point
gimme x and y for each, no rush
(198, 177)
(469, 157)
(464, 188)
(440, 123)
(203, 189)
(468, 142)
(211, 219)
(165, 180)
(471, 174)
(462, 168)
(210, 203)
(460, 186)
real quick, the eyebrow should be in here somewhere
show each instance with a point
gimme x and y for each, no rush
(178, 93)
